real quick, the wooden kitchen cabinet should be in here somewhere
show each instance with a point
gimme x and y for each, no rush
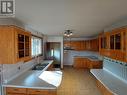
(88, 46)
(78, 62)
(85, 63)
(15, 45)
(41, 92)
(28, 91)
(16, 94)
(116, 42)
(104, 44)
(94, 44)
(91, 45)
(16, 91)
(37, 92)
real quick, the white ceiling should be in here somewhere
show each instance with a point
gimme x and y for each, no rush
(84, 17)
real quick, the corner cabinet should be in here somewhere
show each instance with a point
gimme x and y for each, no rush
(15, 45)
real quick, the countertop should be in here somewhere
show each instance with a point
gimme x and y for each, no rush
(37, 79)
(92, 58)
(111, 82)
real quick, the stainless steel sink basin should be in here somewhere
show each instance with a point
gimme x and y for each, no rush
(40, 66)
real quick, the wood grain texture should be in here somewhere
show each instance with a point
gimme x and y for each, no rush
(115, 53)
(14, 90)
(9, 44)
(85, 63)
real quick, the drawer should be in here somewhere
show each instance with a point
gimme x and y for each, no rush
(15, 94)
(15, 90)
(38, 91)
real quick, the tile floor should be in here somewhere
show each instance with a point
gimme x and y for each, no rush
(77, 82)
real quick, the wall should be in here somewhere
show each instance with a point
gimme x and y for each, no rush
(10, 71)
(117, 68)
(57, 39)
(118, 24)
(68, 56)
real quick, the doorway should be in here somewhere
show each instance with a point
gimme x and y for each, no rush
(53, 52)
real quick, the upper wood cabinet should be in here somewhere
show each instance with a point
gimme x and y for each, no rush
(116, 39)
(94, 43)
(91, 45)
(104, 44)
(15, 45)
(115, 47)
(103, 41)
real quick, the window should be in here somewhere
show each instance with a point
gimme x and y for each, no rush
(36, 46)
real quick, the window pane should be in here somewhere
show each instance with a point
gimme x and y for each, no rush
(36, 46)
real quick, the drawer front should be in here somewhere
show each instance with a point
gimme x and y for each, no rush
(15, 90)
(15, 94)
(38, 92)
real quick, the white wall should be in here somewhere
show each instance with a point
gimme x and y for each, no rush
(57, 39)
(10, 71)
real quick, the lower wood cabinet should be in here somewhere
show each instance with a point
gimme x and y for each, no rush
(79, 62)
(85, 63)
(16, 91)
(28, 91)
(15, 94)
(40, 92)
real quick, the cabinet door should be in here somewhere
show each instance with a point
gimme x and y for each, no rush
(7, 45)
(67, 43)
(88, 45)
(27, 45)
(21, 45)
(118, 41)
(112, 37)
(78, 62)
(85, 60)
(15, 94)
(37, 92)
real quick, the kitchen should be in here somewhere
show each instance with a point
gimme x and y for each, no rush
(64, 48)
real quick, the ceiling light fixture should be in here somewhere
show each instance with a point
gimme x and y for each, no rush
(68, 33)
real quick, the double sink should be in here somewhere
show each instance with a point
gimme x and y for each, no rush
(40, 66)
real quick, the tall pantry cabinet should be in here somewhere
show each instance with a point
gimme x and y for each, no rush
(15, 45)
